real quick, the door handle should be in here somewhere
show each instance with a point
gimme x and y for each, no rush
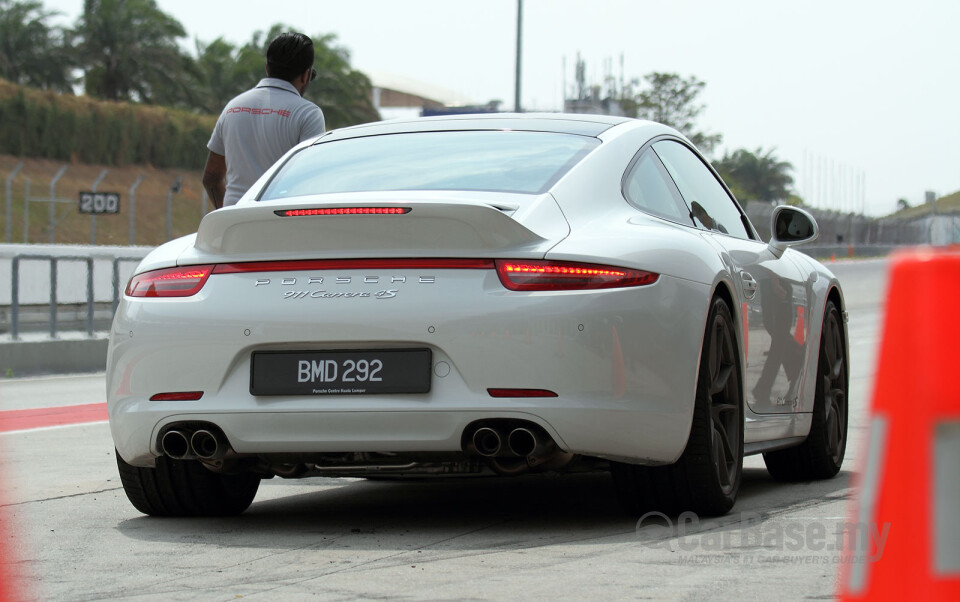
(749, 285)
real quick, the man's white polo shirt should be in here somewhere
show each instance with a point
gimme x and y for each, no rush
(257, 127)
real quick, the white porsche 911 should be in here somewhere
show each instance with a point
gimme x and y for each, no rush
(480, 295)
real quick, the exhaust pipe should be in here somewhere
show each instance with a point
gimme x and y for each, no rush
(175, 444)
(522, 442)
(487, 441)
(206, 445)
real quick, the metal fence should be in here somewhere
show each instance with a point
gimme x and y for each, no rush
(168, 209)
(850, 229)
(54, 302)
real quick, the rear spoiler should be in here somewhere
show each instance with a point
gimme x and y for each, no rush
(440, 227)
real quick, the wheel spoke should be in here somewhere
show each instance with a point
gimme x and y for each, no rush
(831, 421)
(721, 379)
(834, 350)
(724, 454)
(725, 441)
(713, 359)
(719, 408)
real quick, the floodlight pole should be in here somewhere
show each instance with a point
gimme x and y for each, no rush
(516, 94)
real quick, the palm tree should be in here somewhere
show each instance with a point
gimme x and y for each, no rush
(128, 50)
(33, 53)
(225, 71)
(756, 176)
(342, 92)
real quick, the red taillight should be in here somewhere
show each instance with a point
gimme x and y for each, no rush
(521, 393)
(566, 275)
(343, 211)
(178, 396)
(170, 282)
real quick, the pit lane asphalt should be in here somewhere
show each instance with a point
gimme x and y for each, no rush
(538, 537)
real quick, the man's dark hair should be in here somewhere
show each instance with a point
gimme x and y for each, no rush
(289, 55)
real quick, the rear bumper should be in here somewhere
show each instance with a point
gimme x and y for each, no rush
(623, 363)
(610, 433)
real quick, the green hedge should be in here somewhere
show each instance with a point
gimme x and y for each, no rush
(43, 124)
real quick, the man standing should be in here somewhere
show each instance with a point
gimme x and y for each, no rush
(257, 127)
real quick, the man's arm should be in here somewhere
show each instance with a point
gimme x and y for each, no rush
(312, 124)
(214, 178)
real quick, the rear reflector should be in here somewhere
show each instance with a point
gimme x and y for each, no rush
(565, 275)
(171, 282)
(343, 211)
(178, 396)
(521, 393)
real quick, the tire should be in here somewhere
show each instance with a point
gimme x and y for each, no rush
(706, 478)
(821, 454)
(186, 488)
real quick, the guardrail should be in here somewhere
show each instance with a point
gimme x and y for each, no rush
(116, 278)
(54, 261)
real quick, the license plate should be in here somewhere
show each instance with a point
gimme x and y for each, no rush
(345, 372)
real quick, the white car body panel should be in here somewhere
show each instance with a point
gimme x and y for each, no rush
(623, 361)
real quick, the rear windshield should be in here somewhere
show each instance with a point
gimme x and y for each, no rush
(499, 161)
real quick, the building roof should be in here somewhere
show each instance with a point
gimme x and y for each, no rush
(407, 85)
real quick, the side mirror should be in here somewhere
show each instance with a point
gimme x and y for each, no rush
(791, 226)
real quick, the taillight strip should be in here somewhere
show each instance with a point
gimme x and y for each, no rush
(343, 211)
(354, 264)
(515, 275)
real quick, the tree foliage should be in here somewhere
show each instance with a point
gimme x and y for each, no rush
(671, 100)
(128, 50)
(33, 53)
(95, 131)
(343, 93)
(225, 71)
(756, 176)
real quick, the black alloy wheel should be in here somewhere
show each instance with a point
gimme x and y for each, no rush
(724, 401)
(820, 456)
(706, 479)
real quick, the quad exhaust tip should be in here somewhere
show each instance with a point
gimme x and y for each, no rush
(186, 444)
(205, 444)
(487, 442)
(522, 442)
(175, 444)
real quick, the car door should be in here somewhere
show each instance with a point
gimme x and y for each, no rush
(773, 295)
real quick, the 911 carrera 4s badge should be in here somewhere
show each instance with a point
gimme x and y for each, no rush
(342, 372)
(390, 294)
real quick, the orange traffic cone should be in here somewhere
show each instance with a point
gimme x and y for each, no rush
(906, 540)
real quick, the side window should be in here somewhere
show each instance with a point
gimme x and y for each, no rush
(711, 206)
(648, 187)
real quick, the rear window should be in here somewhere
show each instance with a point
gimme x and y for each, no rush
(498, 161)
